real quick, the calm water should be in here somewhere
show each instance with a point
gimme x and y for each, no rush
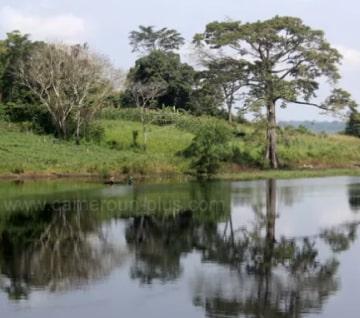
(275, 248)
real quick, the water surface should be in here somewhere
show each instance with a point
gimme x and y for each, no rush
(274, 248)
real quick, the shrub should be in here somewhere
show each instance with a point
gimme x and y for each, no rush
(94, 132)
(245, 157)
(115, 145)
(17, 170)
(208, 148)
(135, 134)
(353, 124)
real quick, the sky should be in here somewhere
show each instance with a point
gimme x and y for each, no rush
(106, 24)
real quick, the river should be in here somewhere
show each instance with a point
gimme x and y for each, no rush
(266, 248)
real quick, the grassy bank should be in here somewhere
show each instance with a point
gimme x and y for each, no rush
(28, 153)
(302, 153)
(290, 174)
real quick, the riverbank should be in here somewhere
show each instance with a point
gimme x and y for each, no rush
(26, 155)
(244, 175)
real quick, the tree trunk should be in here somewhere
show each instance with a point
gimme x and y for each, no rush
(144, 138)
(271, 152)
(78, 124)
(229, 104)
(270, 226)
(270, 211)
(229, 114)
(143, 128)
(61, 130)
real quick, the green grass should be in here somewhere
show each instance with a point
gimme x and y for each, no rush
(289, 174)
(27, 153)
(334, 151)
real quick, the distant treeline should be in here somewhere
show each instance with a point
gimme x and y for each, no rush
(329, 127)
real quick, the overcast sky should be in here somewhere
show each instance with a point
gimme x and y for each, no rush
(106, 24)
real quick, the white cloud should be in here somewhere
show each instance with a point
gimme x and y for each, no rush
(64, 27)
(351, 58)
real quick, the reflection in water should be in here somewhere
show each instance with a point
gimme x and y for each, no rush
(270, 277)
(159, 240)
(54, 248)
(354, 196)
(247, 269)
(158, 244)
(284, 277)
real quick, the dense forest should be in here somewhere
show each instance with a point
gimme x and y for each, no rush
(68, 90)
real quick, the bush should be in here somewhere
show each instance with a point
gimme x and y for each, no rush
(17, 170)
(94, 132)
(247, 158)
(114, 144)
(33, 117)
(160, 117)
(353, 124)
(208, 148)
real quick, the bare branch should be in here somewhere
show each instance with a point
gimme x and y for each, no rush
(71, 81)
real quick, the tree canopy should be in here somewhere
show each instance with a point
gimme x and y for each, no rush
(14, 48)
(230, 76)
(165, 67)
(285, 60)
(147, 39)
(353, 124)
(71, 81)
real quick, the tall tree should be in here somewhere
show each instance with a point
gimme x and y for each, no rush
(285, 59)
(230, 76)
(14, 48)
(147, 40)
(166, 67)
(206, 97)
(71, 81)
(353, 124)
(144, 95)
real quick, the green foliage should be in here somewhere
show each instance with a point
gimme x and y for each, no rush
(353, 124)
(283, 60)
(206, 98)
(147, 40)
(161, 117)
(164, 67)
(247, 157)
(303, 130)
(17, 170)
(229, 76)
(93, 132)
(126, 114)
(46, 154)
(208, 149)
(19, 104)
(135, 135)
(14, 49)
(35, 116)
(114, 144)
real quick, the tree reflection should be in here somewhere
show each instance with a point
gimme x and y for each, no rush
(158, 244)
(269, 276)
(273, 277)
(354, 196)
(57, 247)
(158, 240)
(258, 272)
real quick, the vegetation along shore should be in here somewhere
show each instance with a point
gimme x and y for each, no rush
(66, 111)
